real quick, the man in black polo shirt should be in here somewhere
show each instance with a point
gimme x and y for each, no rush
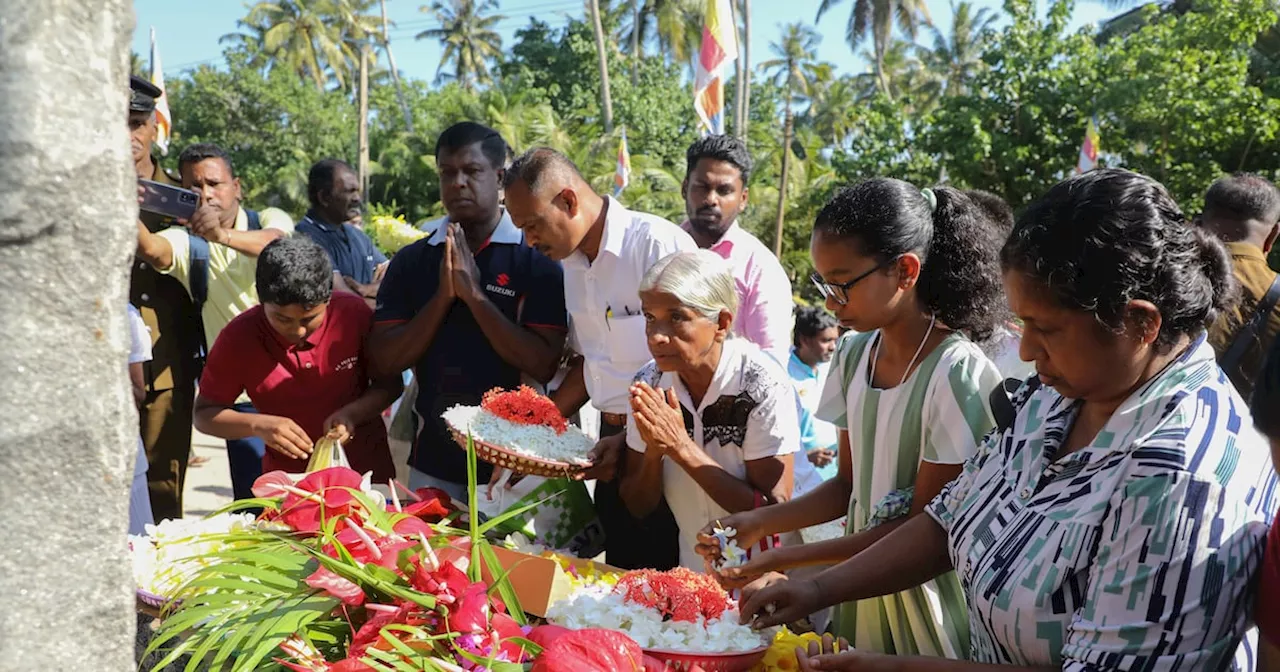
(334, 190)
(470, 307)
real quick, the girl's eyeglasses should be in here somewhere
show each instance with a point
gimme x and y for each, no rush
(839, 292)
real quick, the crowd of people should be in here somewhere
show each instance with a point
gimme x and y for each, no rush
(1037, 431)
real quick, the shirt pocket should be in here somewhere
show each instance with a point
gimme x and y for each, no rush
(628, 343)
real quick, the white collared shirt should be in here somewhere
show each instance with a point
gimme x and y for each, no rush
(603, 299)
(748, 413)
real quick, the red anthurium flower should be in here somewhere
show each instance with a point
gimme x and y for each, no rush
(591, 649)
(432, 506)
(325, 494)
(364, 547)
(471, 615)
(270, 484)
(350, 665)
(335, 585)
(506, 631)
(411, 527)
(370, 633)
(391, 550)
(446, 583)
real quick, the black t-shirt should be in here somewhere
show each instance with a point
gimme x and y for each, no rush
(461, 365)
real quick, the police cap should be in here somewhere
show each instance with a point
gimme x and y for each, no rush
(144, 95)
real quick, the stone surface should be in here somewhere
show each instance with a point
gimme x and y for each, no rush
(68, 432)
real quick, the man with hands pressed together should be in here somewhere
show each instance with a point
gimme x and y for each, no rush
(299, 356)
(470, 307)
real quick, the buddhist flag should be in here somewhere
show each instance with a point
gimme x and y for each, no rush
(622, 176)
(164, 122)
(1089, 149)
(715, 60)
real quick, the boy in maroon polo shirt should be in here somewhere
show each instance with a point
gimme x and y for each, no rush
(299, 356)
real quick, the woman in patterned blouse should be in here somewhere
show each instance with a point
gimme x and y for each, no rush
(1118, 522)
(917, 274)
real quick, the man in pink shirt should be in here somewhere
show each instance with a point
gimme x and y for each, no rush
(715, 192)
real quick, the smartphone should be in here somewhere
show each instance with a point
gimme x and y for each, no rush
(163, 199)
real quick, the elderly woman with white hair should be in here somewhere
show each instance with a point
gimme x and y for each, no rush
(713, 421)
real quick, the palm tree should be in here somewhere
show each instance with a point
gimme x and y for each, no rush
(316, 39)
(469, 38)
(835, 111)
(900, 74)
(793, 70)
(878, 17)
(954, 59)
(606, 101)
(395, 72)
(744, 85)
(674, 24)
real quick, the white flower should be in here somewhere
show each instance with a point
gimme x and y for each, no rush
(176, 548)
(600, 607)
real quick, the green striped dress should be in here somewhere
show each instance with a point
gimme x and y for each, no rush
(938, 415)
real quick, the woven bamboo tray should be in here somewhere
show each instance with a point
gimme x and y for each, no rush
(521, 464)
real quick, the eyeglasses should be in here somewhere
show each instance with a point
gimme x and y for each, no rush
(839, 292)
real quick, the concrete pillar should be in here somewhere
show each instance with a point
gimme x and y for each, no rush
(67, 425)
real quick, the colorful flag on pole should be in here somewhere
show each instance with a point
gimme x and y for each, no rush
(622, 176)
(715, 61)
(164, 121)
(1089, 149)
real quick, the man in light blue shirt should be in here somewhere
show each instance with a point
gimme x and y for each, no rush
(815, 336)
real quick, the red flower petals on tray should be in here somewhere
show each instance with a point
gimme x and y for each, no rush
(524, 406)
(679, 594)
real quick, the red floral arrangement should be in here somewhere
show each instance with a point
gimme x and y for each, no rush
(679, 594)
(524, 406)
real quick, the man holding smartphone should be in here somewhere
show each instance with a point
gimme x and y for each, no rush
(215, 256)
(171, 317)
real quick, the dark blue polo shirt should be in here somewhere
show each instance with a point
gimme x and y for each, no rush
(349, 248)
(461, 365)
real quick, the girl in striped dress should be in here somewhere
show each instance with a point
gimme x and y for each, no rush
(916, 274)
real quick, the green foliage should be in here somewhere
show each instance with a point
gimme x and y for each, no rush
(1179, 106)
(274, 125)
(1187, 92)
(1018, 130)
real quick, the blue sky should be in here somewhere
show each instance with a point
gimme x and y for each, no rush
(187, 31)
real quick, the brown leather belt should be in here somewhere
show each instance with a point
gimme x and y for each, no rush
(613, 419)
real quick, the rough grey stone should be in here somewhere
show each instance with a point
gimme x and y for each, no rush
(67, 425)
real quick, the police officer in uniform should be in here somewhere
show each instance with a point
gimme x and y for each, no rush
(175, 328)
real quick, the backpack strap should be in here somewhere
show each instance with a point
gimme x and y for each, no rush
(1002, 397)
(255, 222)
(1248, 334)
(198, 281)
(198, 274)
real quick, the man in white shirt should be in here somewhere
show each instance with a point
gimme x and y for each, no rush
(605, 249)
